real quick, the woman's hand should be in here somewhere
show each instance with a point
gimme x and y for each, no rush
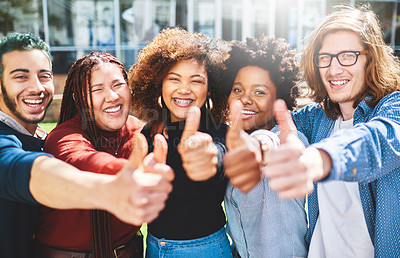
(198, 151)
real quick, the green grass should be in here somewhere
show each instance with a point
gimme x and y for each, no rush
(143, 229)
(48, 126)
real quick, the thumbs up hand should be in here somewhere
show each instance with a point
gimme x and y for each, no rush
(143, 185)
(198, 151)
(292, 168)
(235, 135)
(243, 160)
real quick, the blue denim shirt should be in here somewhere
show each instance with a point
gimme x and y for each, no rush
(368, 154)
(263, 225)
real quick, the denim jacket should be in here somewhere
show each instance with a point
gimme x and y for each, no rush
(369, 154)
(263, 225)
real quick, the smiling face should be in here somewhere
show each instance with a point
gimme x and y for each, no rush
(185, 85)
(26, 86)
(254, 88)
(344, 84)
(111, 97)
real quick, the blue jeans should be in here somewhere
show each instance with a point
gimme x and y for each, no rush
(214, 245)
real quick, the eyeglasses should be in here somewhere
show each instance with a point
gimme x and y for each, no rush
(345, 58)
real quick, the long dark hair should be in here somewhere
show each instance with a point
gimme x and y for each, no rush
(77, 91)
(75, 100)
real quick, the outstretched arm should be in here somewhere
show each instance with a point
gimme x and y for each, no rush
(292, 168)
(135, 195)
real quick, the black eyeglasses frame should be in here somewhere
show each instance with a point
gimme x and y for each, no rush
(357, 53)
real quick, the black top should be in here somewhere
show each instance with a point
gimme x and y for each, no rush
(193, 208)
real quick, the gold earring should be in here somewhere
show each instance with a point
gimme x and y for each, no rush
(209, 104)
(159, 100)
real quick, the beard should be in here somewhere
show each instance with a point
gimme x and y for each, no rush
(12, 106)
(350, 98)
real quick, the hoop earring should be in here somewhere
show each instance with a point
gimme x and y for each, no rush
(159, 100)
(209, 104)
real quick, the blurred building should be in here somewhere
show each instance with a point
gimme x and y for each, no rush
(122, 27)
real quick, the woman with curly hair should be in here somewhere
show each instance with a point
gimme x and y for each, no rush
(260, 223)
(96, 133)
(174, 83)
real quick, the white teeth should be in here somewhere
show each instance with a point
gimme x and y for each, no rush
(183, 101)
(110, 110)
(248, 112)
(33, 101)
(338, 83)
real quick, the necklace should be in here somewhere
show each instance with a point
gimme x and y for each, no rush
(113, 143)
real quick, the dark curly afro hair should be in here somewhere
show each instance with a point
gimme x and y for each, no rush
(155, 59)
(270, 53)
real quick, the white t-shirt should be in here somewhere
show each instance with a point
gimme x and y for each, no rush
(341, 230)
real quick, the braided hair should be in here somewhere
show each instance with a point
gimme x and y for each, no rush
(77, 97)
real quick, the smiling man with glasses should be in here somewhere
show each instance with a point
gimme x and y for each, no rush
(353, 129)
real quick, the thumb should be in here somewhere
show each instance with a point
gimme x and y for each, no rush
(160, 149)
(284, 120)
(139, 151)
(236, 127)
(192, 122)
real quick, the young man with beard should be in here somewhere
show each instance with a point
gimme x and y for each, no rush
(29, 177)
(353, 130)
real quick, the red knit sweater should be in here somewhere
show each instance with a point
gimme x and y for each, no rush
(70, 229)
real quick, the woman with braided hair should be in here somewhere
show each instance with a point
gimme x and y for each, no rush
(174, 83)
(96, 133)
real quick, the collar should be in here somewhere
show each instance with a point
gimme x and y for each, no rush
(104, 133)
(40, 133)
(101, 132)
(11, 122)
(362, 108)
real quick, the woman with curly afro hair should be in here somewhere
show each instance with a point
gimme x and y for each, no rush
(175, 90)
(278, 63)
(259, 71)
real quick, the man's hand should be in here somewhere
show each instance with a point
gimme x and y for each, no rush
(243, 160)
(198, 151)
(142, 186)
(292, 168)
